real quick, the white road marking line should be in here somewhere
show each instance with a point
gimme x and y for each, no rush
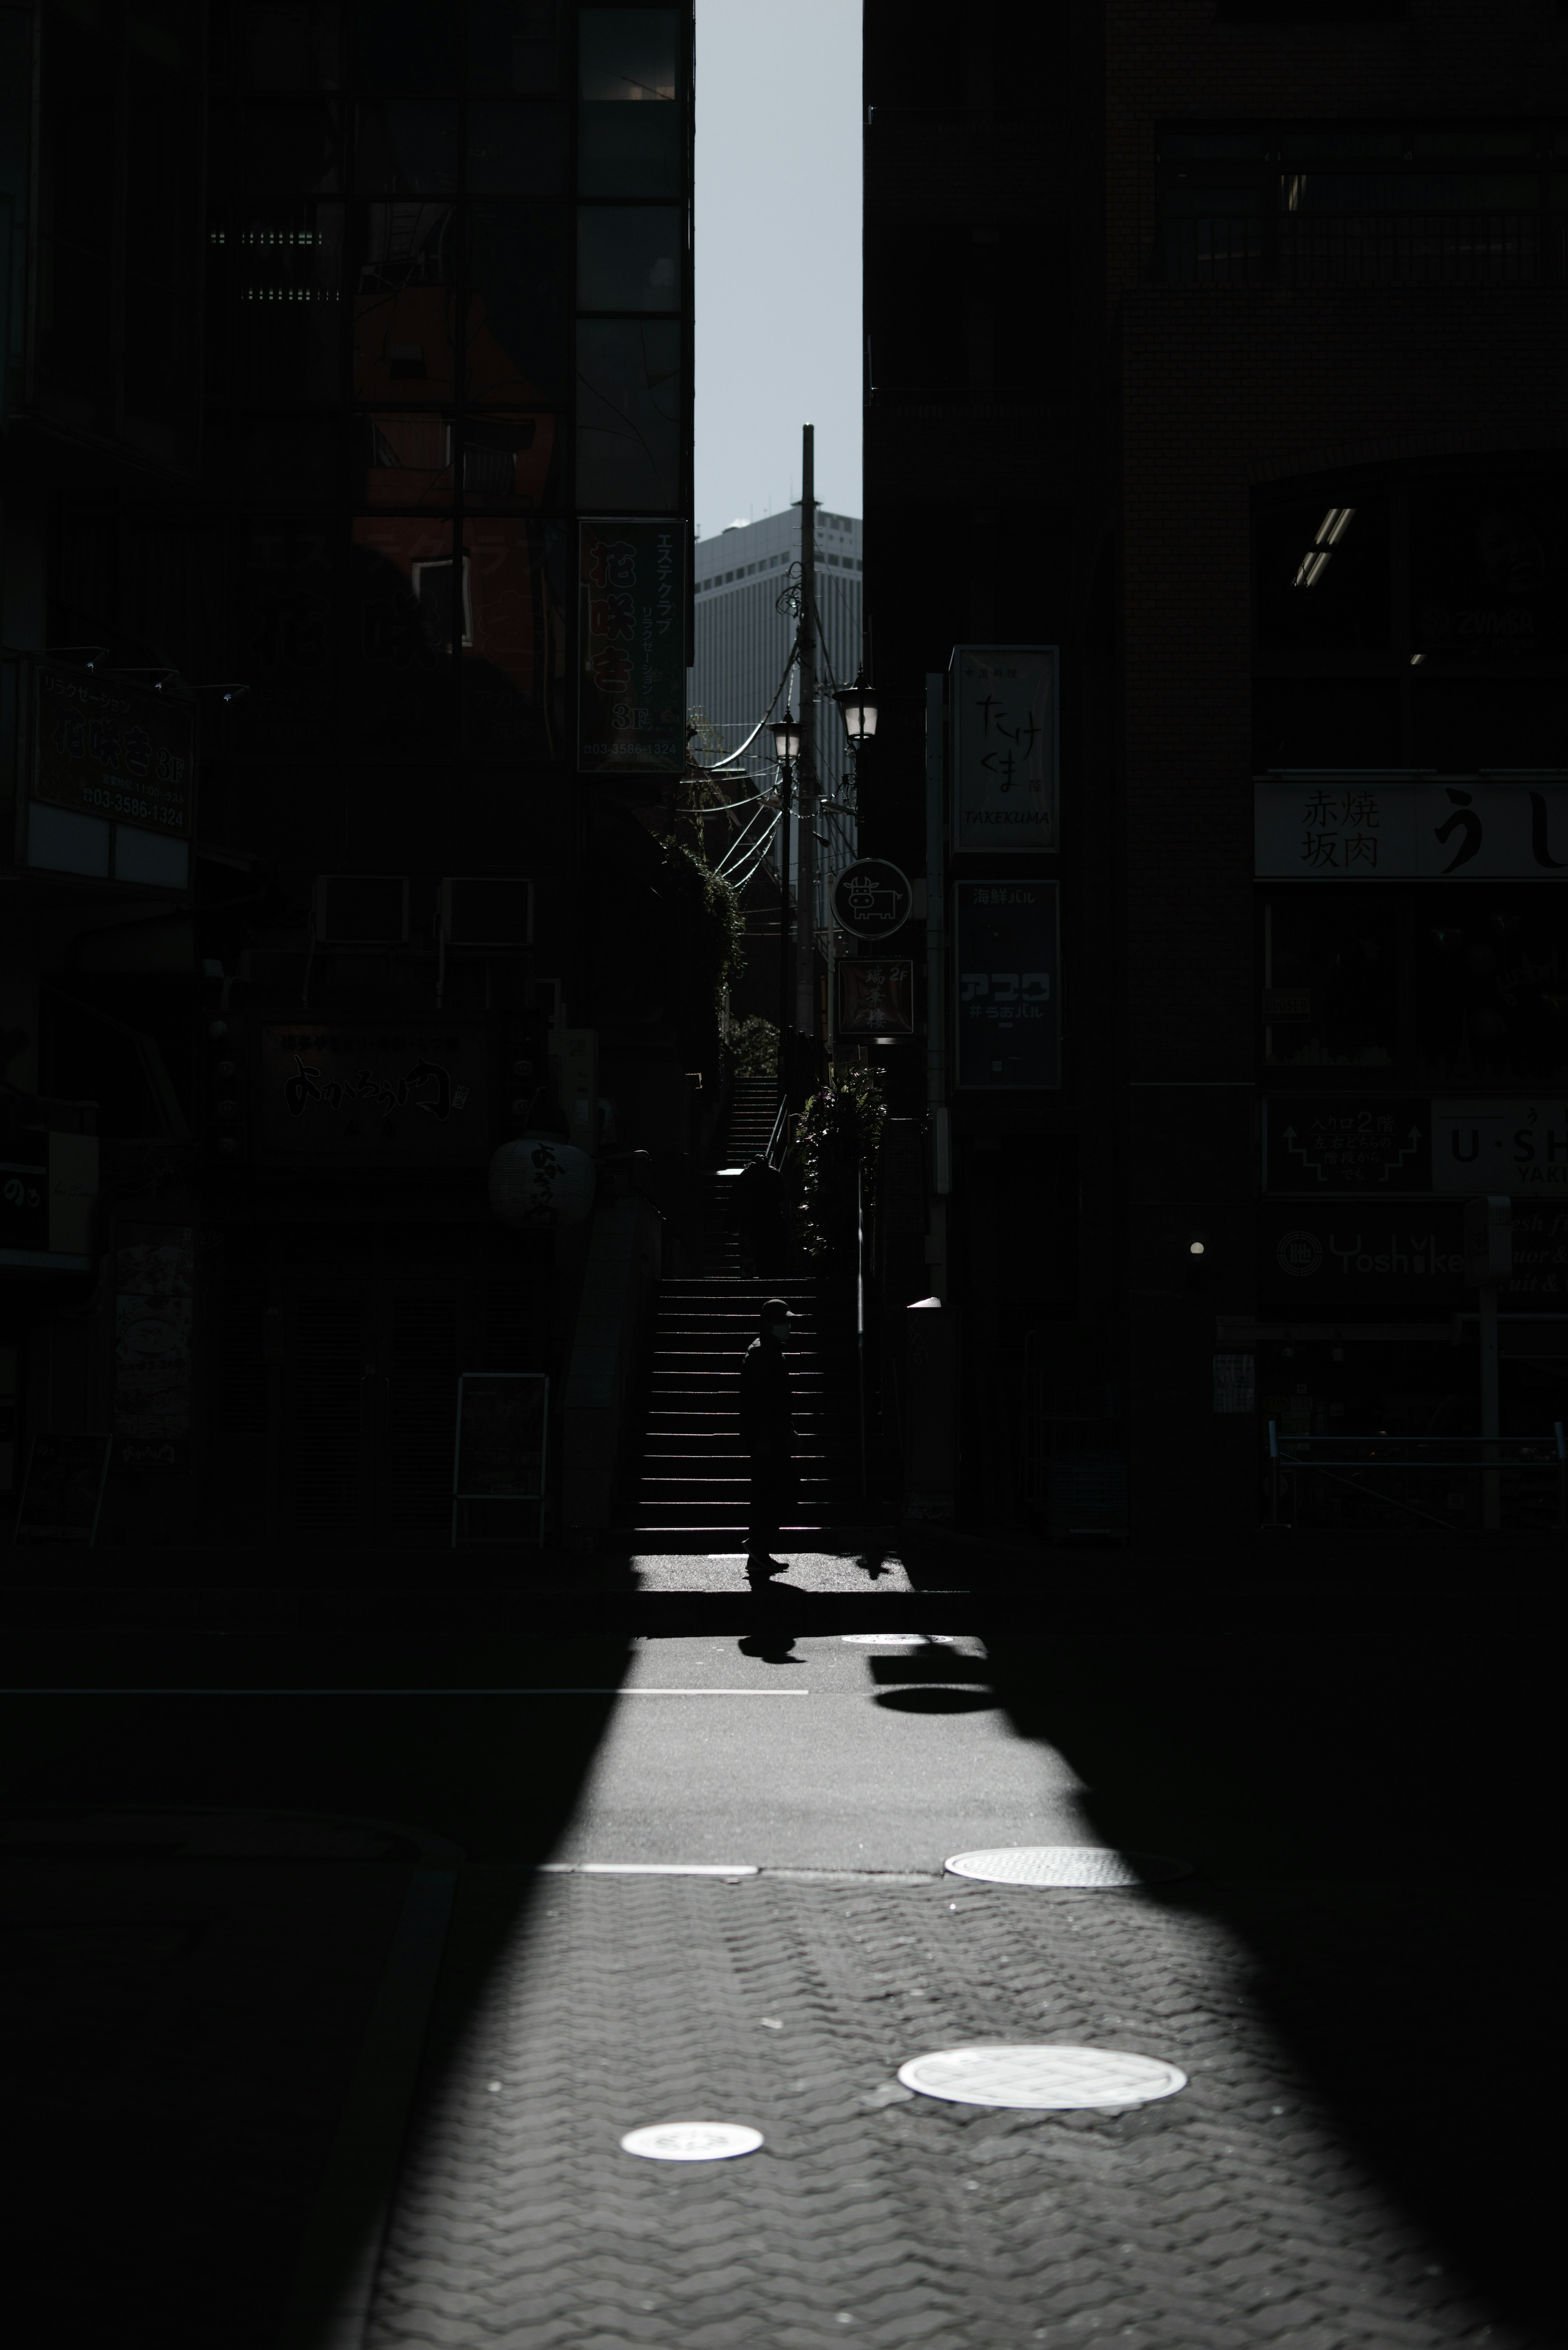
(634, 1689)
(650, 1868)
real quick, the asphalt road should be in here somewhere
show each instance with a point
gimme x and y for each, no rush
(870, 1753)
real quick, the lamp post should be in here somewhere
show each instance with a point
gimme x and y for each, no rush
(857, 708)
(805, 856)
(786, 748)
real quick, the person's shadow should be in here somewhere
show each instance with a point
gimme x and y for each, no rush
(772, 1648)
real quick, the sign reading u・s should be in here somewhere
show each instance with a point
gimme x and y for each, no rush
(1004, 743)
(1007, 960)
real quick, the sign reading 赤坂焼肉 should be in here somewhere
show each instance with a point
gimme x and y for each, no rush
(1004, 734)
(1006, 962)
(1368, 830)
(631, 647)
(104, 748)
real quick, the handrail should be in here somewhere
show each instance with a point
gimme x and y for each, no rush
(773, 1153)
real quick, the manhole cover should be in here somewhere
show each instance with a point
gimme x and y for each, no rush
(994, 2072)
(691, 2141)
(1066, 1864)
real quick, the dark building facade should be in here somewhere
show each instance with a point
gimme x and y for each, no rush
(345, 555)
(1220, 346)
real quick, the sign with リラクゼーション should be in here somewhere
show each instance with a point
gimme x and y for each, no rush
(105, 748)
(1004, 733)
(1366, 1143)
(631, 647)
(1006, 965)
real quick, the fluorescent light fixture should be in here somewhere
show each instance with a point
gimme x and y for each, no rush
(1310, 568)
(1417, 659)
(1334, 526)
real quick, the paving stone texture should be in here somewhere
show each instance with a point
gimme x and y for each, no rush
(1229, 2217)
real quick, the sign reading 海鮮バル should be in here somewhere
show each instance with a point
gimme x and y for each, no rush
(105, 748)
(1367, 830)
(1005, 956)
(1004, 747)
(631, 657)
(349, 1089)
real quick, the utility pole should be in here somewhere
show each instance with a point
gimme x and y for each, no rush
(806, 797)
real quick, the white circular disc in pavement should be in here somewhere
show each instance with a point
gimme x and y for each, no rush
(1095, 1866)
(691, 2141)
(1039, 2075)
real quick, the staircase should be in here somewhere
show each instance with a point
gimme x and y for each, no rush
(692, 1488)
(752, 1110)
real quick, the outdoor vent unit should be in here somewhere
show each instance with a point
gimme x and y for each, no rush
(362, 910)
(489, 910)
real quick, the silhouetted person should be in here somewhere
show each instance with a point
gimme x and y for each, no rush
(756, 1213)
(767, 1432)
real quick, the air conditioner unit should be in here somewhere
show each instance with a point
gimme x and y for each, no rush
(488, 911)
(362, 910)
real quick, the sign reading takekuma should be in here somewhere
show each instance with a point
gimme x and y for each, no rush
(1004, 715)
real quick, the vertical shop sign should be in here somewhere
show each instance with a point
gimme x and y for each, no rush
(111, 750)
(631, 653)
(1007, 962)
(1004, 747)
(155, 1270)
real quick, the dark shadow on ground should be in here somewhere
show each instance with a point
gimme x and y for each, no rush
(183, 2026)
(1371, 1817)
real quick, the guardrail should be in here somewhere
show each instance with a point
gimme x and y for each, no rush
(1512, 1468)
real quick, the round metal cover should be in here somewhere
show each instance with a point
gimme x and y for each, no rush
(1037, 2076)
(691, 2141)
(1097, 1866)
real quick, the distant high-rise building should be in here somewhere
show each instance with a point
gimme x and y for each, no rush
(744, 628)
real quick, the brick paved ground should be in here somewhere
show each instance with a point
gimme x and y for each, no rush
(1230, 2215)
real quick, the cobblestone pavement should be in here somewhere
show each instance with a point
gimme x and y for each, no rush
(1228, 2216)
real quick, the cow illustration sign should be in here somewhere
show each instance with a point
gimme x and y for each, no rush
(871, 900)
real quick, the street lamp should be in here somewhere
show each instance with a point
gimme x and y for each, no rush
(858, 704)
(785, 732)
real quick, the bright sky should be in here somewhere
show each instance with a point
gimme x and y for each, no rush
(777, 239)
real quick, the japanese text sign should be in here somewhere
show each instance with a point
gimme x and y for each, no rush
(1006, 960)
(358, 1091)
(1366, 830)
(876, 999)
(1358, 1143)
(631, 647)
(105, 748)
(1004, 747)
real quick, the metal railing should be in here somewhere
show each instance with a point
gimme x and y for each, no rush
(1402, 248)
(1529, 1472)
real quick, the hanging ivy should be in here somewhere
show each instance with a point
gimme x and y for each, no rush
(836, 1142)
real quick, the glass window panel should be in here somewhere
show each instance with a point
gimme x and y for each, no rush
(1401, 192)
(1486, 577)
(1500, 141)
(1342, 947)
(1491, 988)
(406, 460)
(1304, 139)
(1347, 607)
(267, 459)
(1238, 143)
(404, 605)
(280, 268)
(293, 45)
(519, 304)
(629, 150)
(628, 257)
(406, 45)
(1462, 723)
(406, 146)
(627, 53)
(285, 639)
(517, 151)
(514, 665)
(513, 46)
(630, 409)
(404, 303)
(510, 460)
